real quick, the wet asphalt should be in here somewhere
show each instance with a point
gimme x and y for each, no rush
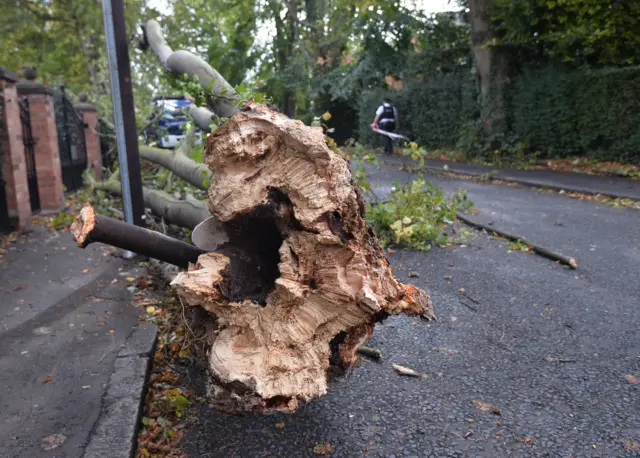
(554, 351)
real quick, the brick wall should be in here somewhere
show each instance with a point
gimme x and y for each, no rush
(13, 165)
(43, 124)
(92, 140)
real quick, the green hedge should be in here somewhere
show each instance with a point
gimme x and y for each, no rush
(430, 112)
(566, 113)
(554, 111)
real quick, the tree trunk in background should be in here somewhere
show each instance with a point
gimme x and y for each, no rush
(289, 104)
(492, 66)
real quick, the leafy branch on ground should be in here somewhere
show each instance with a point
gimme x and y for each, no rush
(418, 216)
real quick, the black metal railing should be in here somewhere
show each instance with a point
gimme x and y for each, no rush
(73, 150)
(29, 154)
(5, 223)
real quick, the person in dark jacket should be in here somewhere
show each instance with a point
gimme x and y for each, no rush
(386, 119)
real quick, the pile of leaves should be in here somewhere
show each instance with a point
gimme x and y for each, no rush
(418, 216)
(167, 403)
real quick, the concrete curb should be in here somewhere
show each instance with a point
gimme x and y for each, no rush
(115, 432)
(531, 183)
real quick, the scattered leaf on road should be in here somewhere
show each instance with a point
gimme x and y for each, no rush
(112, 332)
(280, 425)
(405, 371)
(631, 379)
(486, 407)
(631, 445)
(47, 380)
(53, 441)
(131, 279)
(528, 441)
(85, 271)
(151, 310)
(448, 351)
(323, 448)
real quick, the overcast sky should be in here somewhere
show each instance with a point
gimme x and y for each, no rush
(428, 6)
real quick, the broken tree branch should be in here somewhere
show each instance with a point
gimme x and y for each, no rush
(543, 251)
(183, 213)
(183, 166)
(89, 227)
(223, 98)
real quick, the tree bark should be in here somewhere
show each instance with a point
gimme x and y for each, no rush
(492, 66)
(302, 279)
(89, 227)
(183, 166)
(183, 213)
(223, 98)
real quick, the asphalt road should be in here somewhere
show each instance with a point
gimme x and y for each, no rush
(552, 348)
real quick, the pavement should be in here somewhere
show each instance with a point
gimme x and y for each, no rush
(567, 181)
(555, 351)
(66, 316)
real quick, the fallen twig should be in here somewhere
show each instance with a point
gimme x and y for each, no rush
(543, 251)
(469, 306)
(374, 353)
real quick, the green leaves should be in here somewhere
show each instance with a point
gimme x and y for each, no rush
(592, 32)
(417, 215)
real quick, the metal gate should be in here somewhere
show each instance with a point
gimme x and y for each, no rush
(29, 154)
(73, 151)
(5, 224)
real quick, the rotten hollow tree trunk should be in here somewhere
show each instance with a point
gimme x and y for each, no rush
(301, 280)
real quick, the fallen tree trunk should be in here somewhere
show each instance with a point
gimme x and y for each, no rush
(184, 213)
(301, 280)
(183, 166)
(89, 228)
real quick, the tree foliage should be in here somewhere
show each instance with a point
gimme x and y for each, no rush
(592, 32)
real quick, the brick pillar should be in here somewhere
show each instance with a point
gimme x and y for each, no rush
(43, 124)
(91, 138)
(14, 169)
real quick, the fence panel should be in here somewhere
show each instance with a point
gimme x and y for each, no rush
(73, 151)
(29, 154)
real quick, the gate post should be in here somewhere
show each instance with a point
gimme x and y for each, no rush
(92, 141)
(13, 170)
(43, 124)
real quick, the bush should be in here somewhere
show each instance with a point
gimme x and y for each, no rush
(562, 112)
(551, 112)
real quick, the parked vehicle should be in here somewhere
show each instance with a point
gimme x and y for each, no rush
(169, 128)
